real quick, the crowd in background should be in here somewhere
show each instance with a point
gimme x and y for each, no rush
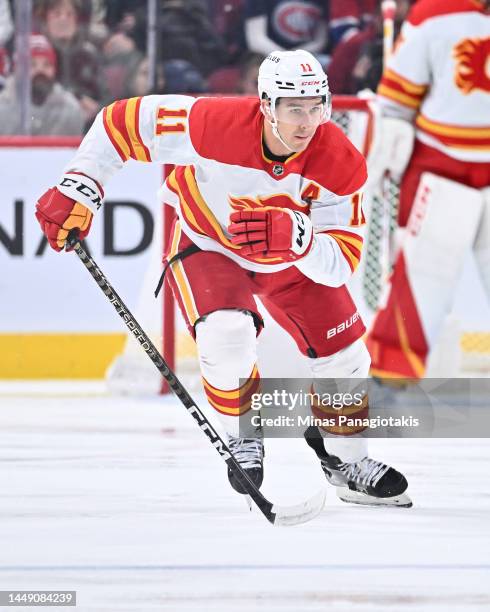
(87, 53)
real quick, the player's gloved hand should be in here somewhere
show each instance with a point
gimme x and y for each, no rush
(58, 214)
(66, 207)
(273, 232)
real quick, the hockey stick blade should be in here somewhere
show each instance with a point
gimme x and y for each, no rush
(287, 516)
(277, 515)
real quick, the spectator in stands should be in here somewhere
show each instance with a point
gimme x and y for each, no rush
(55, 111)
(185, 31)
(94, 20)
(227, 19)
(6, 23)
(357, 61)
(78, 58)
(121, 15)
(369, 66)
(173, 77)
(249, 72)
(181, 77)
(283, 25)
(349, 17)
(120, 59)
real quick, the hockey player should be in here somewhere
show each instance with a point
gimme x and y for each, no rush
(268, 198)
(436, 84)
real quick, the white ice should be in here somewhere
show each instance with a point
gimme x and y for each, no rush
(125, 501)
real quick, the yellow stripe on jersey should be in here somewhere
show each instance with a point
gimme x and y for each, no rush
(451, 130)
(186, 209)
(181, 279)
(115, 133)
(351, 258)
(203, 207)
(392, 94)
(408, 86)
(130, 119)
(344, 241)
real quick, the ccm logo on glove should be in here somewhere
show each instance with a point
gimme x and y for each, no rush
(82, 189)
(274, 232)
(67, 207)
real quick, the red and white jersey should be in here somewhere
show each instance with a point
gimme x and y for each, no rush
(440, 71)
(216, 144)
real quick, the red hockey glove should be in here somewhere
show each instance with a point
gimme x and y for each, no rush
(67, 207)
(58, 214)
(273, 232)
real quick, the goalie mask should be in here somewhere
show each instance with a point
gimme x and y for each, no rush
(293, 74)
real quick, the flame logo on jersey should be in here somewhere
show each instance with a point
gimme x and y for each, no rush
(472, 57)
(280, 200)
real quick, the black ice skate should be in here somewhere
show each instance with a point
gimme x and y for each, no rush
(368, 482)
(249, 452)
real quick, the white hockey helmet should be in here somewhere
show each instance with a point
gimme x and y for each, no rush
(293, 74)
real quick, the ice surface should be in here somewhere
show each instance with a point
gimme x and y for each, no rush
(125, 501)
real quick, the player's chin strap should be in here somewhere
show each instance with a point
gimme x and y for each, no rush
(271, 118)
(275, 131)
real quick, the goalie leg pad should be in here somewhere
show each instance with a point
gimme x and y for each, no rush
(442, 227)
(441, 230)
(482, 243)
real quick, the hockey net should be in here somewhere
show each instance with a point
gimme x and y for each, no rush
(464, 346)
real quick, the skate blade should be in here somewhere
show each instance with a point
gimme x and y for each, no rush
(287, 516)
(354, 497)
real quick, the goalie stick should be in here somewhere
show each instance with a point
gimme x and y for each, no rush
(275, 514)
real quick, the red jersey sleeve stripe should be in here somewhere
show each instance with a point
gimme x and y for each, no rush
(349, 237)
(349, 248)
(401, 90)
(132, 118)
(114, 135)
(394, 94)
(406, 85)
(137, 130)
(120, 120)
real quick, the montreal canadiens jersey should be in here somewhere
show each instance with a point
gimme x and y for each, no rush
(440, 71)
(221, 167)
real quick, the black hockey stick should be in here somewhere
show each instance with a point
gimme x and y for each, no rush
(277, 515)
